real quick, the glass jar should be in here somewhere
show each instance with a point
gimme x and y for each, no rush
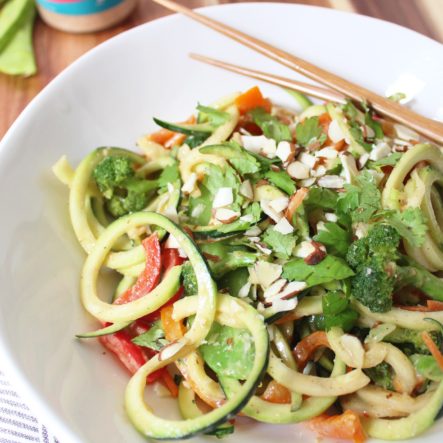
(80, 16)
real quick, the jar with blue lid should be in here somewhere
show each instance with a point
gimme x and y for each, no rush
(84, 15)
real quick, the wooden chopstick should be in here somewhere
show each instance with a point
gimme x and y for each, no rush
(425, 126)
(306, 88)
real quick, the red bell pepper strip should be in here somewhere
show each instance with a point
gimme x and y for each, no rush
(171, 258)
(148, 280)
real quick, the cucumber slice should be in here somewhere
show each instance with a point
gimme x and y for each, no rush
(12, 17)
(187, 129)
(104, 331)
(152, 426)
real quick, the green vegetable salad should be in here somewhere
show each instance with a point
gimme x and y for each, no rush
(273, 264)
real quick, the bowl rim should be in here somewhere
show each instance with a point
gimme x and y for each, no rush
(46, 414)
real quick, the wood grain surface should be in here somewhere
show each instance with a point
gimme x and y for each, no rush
(55, 50)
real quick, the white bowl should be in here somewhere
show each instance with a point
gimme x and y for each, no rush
(108, 98)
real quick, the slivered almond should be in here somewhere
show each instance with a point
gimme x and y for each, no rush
(349, 167)
(284, 227)
(270, 212)
(334, 131)
(308, 160)
(246, 190)
(189, 184)
(317, 255)
(284, 151)
(275, 288)
(226, 215)
(298, 170)
(279, 204)
(331, 181)
(223, 197)
(327, 152)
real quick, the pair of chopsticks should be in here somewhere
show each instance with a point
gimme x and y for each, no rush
(340, 89)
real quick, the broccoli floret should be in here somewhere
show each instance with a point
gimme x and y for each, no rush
(123, 192)
(381, 375)
(189, 279)
(411, 342)
(111, 172)
(373, 258)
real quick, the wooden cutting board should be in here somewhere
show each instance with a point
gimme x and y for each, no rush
(55, 50)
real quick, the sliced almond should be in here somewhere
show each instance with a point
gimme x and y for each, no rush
(284, 305)
(246, 190)
(307, 182)
(363, 160)
(275, 288)
(223, 197)
(304, 249)
(252, 232)
(298, 170)
(327, 152)
(265, 273)
(244, 290)
(320, 171)
(253, 143)
(190, 183)
(307, 159)
(248, 218)
(331, 217)
(269, 211)
(379, 151)
(284, 151)
(198, 210)
(331, 181)
(334, 131)
(284, 227)
(263, 248)
(317, 255)
(226, 215)
(279, 204)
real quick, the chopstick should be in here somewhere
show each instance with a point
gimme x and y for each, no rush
(425, 126)
(306, 88)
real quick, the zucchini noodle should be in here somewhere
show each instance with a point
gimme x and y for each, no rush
(281, 266)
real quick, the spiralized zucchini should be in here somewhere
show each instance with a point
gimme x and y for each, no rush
(289, 203)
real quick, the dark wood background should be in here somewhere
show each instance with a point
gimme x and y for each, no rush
(55, 50)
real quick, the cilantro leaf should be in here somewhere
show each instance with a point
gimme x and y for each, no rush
(335, 238)
(282, 245)
(321, 198)
(169, 175)
(282, 180)
(337, 311)
(216, 117)
(390, 160)
(270, 125)
(410, 224)
(331, 268)
(361, 200)
(153, 339)
(310, 132)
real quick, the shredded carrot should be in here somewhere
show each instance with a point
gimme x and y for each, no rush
(276, 393)
(346, 426)
(433, 348)
(169, 382)
(431, 306)
(295, 201)
(308, 345)
(169, 138)
(252, 99)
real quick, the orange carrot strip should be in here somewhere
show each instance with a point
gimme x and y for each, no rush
(433, 348)
(169, 382)
(276, 393)
(252, 99)
(308, 345)
(346, 426)
(295, 201)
